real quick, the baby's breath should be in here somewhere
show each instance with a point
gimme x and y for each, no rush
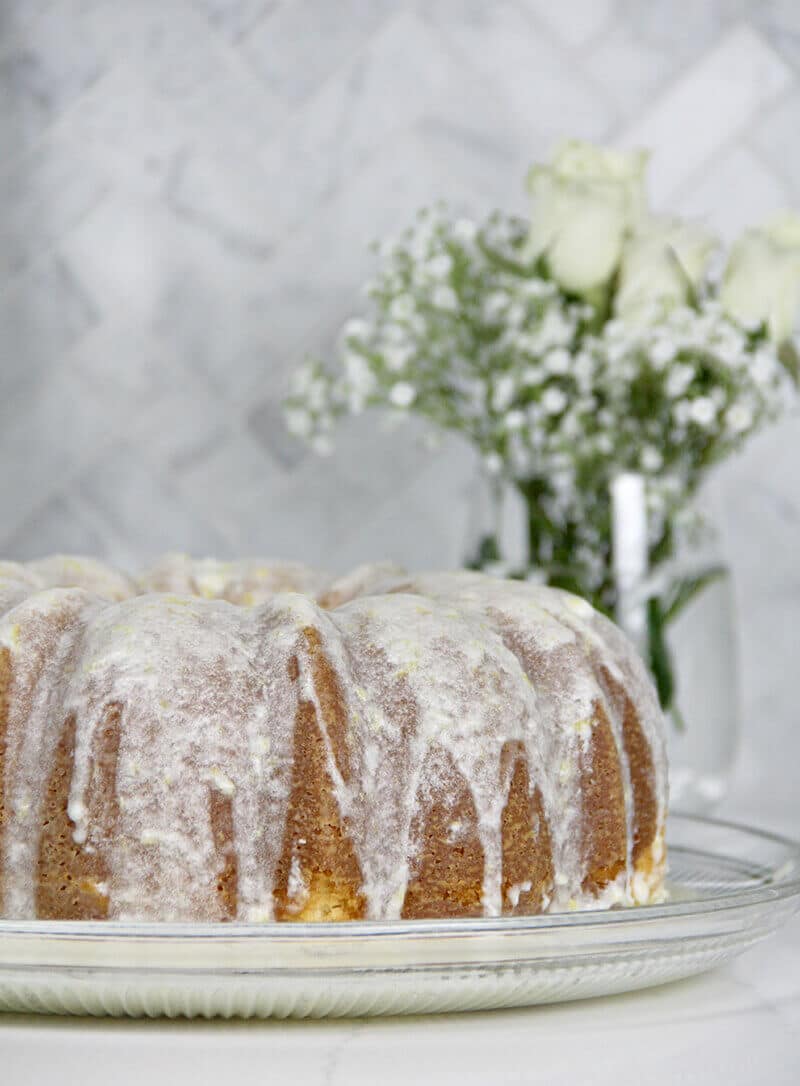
(557, 395)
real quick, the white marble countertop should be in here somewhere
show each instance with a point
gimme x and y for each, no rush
(738, 1024)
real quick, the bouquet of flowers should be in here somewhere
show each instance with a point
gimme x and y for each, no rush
(593, 339)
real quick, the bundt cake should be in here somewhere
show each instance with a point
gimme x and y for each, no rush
(202, 744)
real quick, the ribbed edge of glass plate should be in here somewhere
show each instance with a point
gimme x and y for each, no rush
(733, 887)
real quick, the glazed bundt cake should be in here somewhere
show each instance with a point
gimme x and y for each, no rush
(202, 744)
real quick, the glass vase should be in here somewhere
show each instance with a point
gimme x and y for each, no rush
(701, 642)
(497, 527)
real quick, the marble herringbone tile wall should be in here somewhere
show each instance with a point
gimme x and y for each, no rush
(187, 190)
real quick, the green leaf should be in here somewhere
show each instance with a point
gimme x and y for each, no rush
(660, 613)
(789, 358)
(677, 718)
(661, 664)
(686, 590)
(487, 551)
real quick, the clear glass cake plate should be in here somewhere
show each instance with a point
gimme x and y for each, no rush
(730, 886)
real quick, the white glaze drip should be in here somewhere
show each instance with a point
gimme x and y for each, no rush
(469, 697)
(43, 634)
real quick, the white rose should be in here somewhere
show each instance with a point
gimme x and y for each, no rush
(661, 265)
(762, 279)
(784, 229)
(584, 203)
